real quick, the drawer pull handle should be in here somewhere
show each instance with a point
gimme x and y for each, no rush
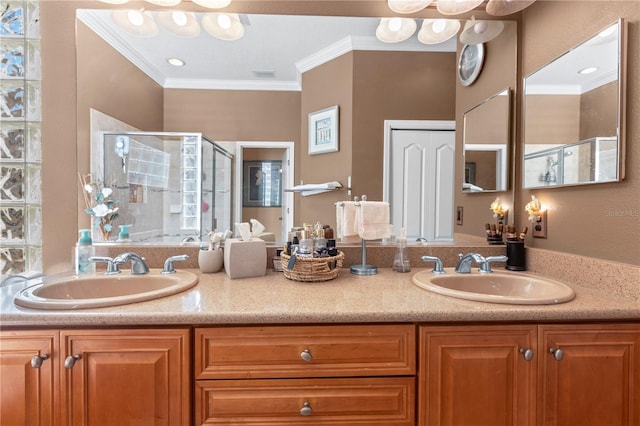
(558, 353)
(306, 409)
(527, 354)
(306, 355)
(37, 360)
(70, 361)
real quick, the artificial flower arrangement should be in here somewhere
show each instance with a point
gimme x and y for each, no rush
(100, 205)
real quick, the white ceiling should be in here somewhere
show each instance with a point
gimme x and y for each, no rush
(285, 45)
(289, 45)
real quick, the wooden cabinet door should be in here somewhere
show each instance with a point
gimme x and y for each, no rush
(28, 390)
(383, 401)
(477, 375)
(590, 375)
(126, 377)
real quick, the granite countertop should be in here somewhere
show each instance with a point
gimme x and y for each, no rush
(386, 297)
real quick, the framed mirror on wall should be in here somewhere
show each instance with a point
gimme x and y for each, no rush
(486, 141)
(573, 115)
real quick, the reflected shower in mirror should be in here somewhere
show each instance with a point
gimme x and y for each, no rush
(572, 115)
(487, 136)
(170, 187)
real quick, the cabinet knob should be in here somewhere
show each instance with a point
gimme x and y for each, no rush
(557, 353)
(306, 409)
(70, 361)
(37, 360)
(527, 353)
(306, 355)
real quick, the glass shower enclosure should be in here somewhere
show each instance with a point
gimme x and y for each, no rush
(171, 187)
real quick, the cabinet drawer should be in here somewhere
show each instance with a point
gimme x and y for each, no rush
(387, 401)
(305, 351)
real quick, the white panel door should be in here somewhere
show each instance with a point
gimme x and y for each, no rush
(422, 180)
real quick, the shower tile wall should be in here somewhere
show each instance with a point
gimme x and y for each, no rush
(20, 138)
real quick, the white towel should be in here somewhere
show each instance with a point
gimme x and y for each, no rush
(346, 219)
(373, 220)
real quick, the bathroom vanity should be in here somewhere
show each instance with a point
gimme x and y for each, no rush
(357, 349)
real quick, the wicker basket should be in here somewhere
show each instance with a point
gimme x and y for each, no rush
(312, 269)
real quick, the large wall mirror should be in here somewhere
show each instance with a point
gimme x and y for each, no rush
(351, 34)
(486, 141)
(573, 112)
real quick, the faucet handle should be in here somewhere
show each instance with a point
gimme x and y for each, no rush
(168, 264)
(485, 267)
(437, 268)
(112, 265)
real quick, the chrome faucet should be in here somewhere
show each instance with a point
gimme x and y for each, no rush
(138, 265)
(437, 267)
(168, 264)
(485, 268)
(464, 262)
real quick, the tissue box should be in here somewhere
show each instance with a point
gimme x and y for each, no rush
(244, 259)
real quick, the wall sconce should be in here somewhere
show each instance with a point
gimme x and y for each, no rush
(498, 211)
(538, 216)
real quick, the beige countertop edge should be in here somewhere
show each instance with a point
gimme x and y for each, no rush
(387, 297)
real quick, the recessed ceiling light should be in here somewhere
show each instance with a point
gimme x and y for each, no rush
(176, 62)
(588, 70)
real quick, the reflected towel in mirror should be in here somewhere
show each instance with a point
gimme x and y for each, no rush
(372, 220)
(346, 219)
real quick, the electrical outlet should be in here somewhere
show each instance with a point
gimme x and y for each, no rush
(540, 226)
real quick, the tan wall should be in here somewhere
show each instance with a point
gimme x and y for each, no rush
(600, 220)
(552, 119)
(497, 74)
(598, 111)
(395, 86)
(322, 87)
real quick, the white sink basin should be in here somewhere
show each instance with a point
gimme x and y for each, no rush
(100, 290)
(497, 287)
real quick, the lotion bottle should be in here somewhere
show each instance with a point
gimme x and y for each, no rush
(84, 250)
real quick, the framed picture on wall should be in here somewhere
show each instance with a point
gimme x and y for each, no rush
(262, 184)
(323, 131)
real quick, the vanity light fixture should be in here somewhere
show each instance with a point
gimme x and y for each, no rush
(164, 3)
(224, 26)
(395, 30)
(498, 211)
(212, 4)
(588, 70)
(176, 62)
(478, 32)
(538, 216)
(408, 6)
(507, 7)
(137, 22)
(434, 31)
(456, 7)
(178, 22)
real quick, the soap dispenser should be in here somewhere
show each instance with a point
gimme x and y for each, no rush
(401, 259)
(84, 251)
(123, 236)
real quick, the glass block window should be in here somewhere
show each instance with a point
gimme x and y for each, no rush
(20, 138)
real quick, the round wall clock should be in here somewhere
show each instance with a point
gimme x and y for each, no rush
(470, 63)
